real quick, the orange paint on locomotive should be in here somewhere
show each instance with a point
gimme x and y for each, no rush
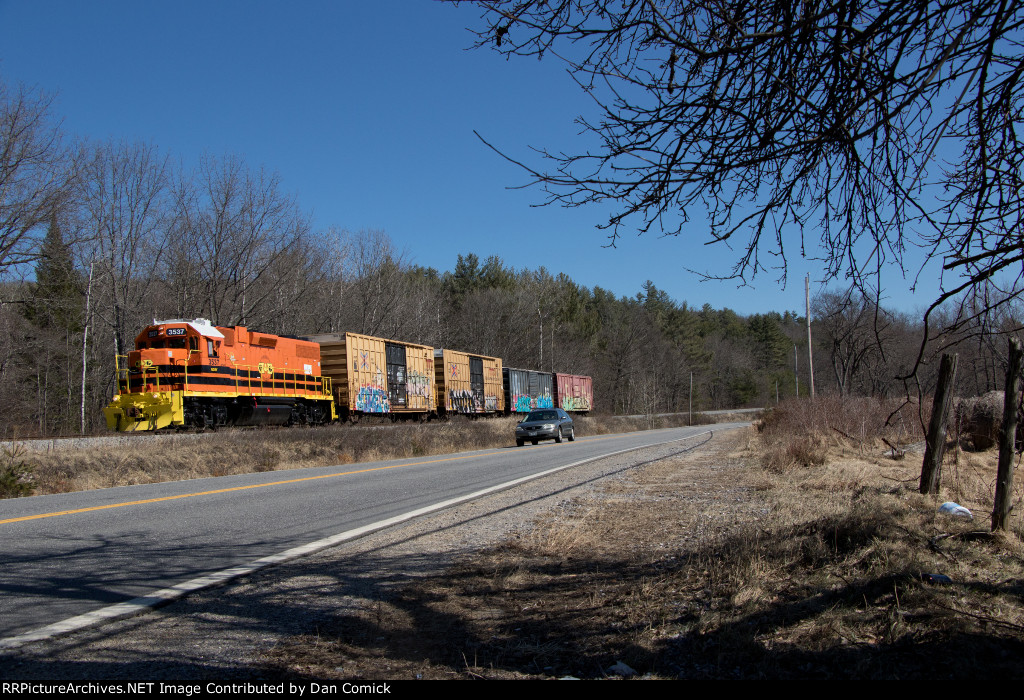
(193, 373)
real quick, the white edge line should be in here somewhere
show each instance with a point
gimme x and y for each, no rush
(166, 595)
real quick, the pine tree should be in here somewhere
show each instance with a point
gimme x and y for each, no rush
(57, 300)
(50, 349)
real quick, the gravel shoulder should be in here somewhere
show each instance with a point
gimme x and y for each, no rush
(270, 625)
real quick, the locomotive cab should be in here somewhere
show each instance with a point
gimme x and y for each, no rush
(153, 378)
(166, 351)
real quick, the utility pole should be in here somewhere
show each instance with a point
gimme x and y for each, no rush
(689, 418)
(85, 340)
(810, 358)
(554, 327)
(540, 362)
(796, 370)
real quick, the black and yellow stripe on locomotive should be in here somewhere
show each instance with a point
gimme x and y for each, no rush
(208, 396)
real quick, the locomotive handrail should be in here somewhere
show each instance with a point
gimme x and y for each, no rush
(184, 384)
(257, 388)
(145, 372)
(121, 372)
(248, 378)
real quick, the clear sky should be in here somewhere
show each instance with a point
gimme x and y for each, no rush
(367, 111)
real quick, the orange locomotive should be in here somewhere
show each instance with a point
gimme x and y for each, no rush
(191, 373)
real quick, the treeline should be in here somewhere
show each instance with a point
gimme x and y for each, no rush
(98, 239)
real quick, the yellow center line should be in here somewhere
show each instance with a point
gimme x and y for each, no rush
(240, 488)
(234, 488)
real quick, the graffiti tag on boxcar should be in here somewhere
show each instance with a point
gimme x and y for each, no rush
(461, 401)
(372, 399)
(575, 403)
(418, 384)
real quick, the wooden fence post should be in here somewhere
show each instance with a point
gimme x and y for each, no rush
(931, 469)
(1007, 438)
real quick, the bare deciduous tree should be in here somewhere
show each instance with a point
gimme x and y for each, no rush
(853, 329)
(35, 173)
(236, 229)
(378, 273)
(125, 212)
(872, 125)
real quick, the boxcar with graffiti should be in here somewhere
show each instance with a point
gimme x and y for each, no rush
(467, 383)
(377, 376)
(574, 392)
(526, 390)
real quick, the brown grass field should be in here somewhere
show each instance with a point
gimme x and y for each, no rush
(789, 551)
(798, 548)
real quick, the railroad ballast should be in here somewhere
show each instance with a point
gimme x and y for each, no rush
(193, 374)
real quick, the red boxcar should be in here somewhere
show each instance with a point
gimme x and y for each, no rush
(574, 392)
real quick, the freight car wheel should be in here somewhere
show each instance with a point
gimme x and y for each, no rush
(572, 434)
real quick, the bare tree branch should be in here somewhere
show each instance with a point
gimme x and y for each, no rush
(879, 125)
(36, 172)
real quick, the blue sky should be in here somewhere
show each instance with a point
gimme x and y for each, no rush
(367, 111)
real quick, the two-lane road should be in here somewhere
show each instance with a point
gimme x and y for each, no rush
(70, 554)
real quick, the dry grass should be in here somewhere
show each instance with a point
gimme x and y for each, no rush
(240, 451)
(718, 565)
(801, 433)
(16, 473)
(244, 451)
